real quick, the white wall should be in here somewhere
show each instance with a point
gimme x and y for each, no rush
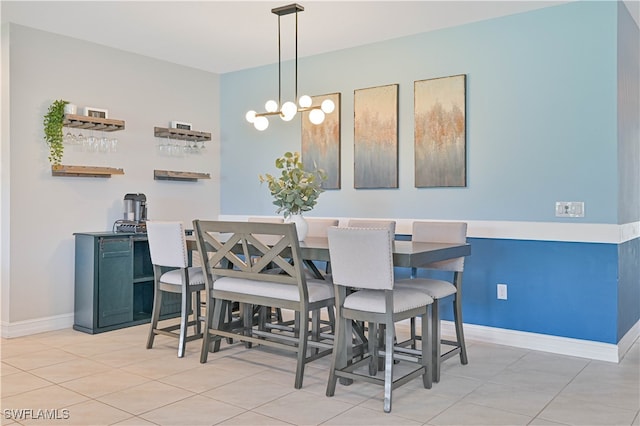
(40, 212)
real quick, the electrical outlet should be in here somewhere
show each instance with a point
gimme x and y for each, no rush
(502, 291)
(569, 208)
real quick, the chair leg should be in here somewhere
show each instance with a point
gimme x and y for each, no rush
(264, 316)
(302, 350)
(247, 321)
(315, 328)
(381, 341)
(215, 310)
(388, 366)
(332, 318)
(219, 316)
(297, 321)
(427, 343)
(340, 342)
(229, 316)
(413, 337)
(184, 322)
(373, 349)
(196, 307)
(155, 314)
(435, 338)
(206, 341)
(457, 317)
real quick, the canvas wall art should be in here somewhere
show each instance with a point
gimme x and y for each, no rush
(375, 137)
(440, 132)
(321, 142)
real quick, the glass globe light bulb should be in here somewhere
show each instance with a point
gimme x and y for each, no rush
(271, 106)
(288, 111)
(328, 106)
(250, 116)
(261, 123)
(305, 101)
(316, 116)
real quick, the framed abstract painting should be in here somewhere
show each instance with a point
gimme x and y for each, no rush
(321, 142)
(440, 132)
(375, 137)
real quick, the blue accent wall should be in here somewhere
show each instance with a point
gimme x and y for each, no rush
(557, 288)
(629, 286)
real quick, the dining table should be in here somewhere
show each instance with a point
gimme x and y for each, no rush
(407, 254)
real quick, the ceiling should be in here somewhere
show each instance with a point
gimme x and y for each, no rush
(225, 36)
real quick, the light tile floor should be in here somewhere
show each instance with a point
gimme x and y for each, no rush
(110, 378)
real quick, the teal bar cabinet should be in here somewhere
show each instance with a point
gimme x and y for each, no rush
(114, 282)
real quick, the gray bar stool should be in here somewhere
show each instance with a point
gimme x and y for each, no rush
(168, 249)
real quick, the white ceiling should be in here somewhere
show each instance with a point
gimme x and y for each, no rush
(224, 36)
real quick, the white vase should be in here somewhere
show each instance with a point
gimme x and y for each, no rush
(70, 109)
(301, 225)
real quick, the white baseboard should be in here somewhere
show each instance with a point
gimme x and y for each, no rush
(627, 340)
(35, 326)
(547, 343)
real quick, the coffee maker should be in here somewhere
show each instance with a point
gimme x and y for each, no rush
(135, 214)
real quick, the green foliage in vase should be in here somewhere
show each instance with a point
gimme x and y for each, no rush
(53, 123)
(296, 190)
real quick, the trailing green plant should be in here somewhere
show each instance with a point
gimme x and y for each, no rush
(53, 135)
(296, 190)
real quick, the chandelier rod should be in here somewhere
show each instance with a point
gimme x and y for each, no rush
(280, 11)
(295, 99)
(279, 67)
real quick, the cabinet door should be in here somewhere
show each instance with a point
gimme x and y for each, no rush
(115, 281)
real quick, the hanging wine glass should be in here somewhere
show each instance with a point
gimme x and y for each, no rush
(82, 140)
(114, 144)
(104, 143)
(69, 138)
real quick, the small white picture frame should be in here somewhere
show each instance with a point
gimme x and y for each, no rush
(96, 112)
(180, 125)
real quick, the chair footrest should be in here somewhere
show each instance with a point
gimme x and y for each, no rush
(403, 347)
(164, 332)
(450, 353)
(404, 354)
(278, 340)
(291, 339)
(349, 373)
(175, 326)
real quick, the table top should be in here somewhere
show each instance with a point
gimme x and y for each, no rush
(405, 253)
(410, 254)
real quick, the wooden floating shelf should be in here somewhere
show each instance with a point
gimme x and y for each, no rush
(85, 171)
(183, 176)
(181, 134)
(92, 123)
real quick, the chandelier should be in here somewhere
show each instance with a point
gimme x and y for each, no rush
(289, 109)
